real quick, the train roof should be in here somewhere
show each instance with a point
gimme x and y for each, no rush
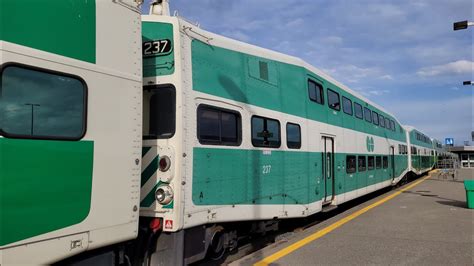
(225, 42)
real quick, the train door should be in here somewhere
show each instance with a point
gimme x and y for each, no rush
(392, 162)
(328, 168)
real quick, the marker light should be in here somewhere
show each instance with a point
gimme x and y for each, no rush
(164, 163)
(164, 195)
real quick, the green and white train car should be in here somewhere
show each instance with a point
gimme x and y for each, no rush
(422, 153)
(161, 151)
(234, 132)
(70, 127)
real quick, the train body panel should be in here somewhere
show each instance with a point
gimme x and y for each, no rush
(74, 157)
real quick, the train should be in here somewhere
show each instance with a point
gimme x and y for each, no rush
(146, 140)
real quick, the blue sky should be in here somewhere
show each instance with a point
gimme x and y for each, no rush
(401, 54)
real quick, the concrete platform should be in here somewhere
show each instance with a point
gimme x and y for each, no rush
(427, 224)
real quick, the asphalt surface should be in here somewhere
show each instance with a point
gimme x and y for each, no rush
(428, 224)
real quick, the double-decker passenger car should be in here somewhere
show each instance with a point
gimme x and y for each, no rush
(70, 127)
(234, 133)
(421, 151)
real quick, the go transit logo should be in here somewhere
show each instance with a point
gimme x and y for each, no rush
(370, 144)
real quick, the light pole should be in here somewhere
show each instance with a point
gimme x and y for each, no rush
(32, 117)
(462, 25)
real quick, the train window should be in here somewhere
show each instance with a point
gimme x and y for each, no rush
(217, 126)
(315, 91)
(346, 105)
(265, 132)
(385, 162)
(382, 121)
(42, 104)
(378, 162)
(370, 162)
(333, 100)
(392, 125)
(351, 164)
(358, 111)
(160, 111)
(367, 115)
(375, 118)
(293, 136)
(387, 124)
(362, 166)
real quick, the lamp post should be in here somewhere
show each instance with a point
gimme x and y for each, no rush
(32, 116)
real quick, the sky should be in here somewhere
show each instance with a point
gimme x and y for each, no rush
(402, 55)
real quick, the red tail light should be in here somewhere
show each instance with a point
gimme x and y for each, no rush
(164, 163)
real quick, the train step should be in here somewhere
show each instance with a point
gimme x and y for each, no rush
(328, 208)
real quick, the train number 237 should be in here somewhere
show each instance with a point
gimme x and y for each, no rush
(158, 47)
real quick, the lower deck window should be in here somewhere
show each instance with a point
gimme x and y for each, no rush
(265, 132)
(217, 126)
(362, 166)
(41, 104)
(351, 165)
(370, 162)
(293, 136)
(378, 162)
(385, 162)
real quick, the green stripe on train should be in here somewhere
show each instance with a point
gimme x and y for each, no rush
(232, 176)
(283, 87)
(69, 30)
(45, 186)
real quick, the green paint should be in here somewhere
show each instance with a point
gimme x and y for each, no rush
(145, 150)
(238, 76)
(232, 176)
(66, 28)
(162, 64)
(150, 170)
(44, 186)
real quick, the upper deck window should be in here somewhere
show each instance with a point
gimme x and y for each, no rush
(382, 121)
(346, 105)
(375, 117)
(315, 91)
(333, 100)
(367, 115)
(358, 111)
(160, 108)
(41, 104)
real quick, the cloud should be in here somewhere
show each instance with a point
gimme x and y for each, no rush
(457, 67)
(237, 35)
(371, 92)
(451, 117)
(354, 74)
(332, 40)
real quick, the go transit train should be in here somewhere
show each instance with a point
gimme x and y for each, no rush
(131, 140)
